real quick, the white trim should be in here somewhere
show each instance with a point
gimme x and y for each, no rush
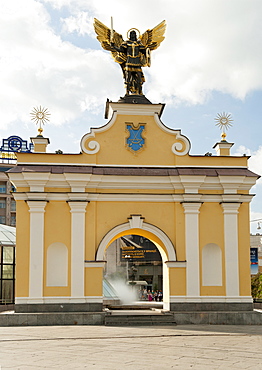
(210, 299)
(36, 258)
(138, 197)
(191, 211)
(171, 254)
(231, 184)
(177, 146)
(77, 210)
(127, 165)
(135, 109)
(191, 183)
(230, 211)
(77, 182)
(40, 140)
(136, 222)
(61, 300)
(36, 181)
(90, 264)
(175, 264)
(93, 145)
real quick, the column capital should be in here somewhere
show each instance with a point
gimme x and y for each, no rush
(230, 207)
(95, 263)
(77, 206)
(176, 264)
(36, 206)
(191, 207)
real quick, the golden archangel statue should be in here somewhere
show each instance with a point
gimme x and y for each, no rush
(132, 54)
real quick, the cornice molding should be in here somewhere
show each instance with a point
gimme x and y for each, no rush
(79, 182)
(134, 197)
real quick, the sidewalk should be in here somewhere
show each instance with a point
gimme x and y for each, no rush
(99, 347)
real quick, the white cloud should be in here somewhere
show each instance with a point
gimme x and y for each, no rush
(255, 160)
(81, 23)
(37, 67)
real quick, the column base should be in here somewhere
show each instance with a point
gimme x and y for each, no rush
(210, 306)
(58, 307)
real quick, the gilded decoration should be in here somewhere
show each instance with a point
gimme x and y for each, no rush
(132, 54)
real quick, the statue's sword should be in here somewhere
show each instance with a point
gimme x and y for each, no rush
(112, 30)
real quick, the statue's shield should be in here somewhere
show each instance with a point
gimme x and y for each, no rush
(135, 141)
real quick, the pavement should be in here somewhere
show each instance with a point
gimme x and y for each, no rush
(99, 347)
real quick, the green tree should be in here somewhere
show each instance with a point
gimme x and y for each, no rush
(256, 286)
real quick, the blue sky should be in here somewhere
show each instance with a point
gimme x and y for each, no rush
(209, 63)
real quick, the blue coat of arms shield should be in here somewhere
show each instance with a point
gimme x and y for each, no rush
(135, 141)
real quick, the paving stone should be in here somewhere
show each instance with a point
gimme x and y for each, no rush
(203, 347)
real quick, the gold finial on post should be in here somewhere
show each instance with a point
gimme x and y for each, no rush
(224, 122)
(40, 116)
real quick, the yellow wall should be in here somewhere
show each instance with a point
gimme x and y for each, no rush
(180, 232)
(93, 281)
(211, 225)
(91, 231)
(22, 249)
(177, 279)
(57, 231)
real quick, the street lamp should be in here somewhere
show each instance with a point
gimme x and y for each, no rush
(258, 220)
(127, 275)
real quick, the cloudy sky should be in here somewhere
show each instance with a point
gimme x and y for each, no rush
(209, 63)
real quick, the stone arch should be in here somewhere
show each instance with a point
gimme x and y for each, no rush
(161, 240)
(137, 226)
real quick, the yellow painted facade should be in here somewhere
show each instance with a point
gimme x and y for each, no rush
(70, 207)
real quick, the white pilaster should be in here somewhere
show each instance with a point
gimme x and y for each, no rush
(191, 211)
(78, 210)
(230, 211)
(37, 210)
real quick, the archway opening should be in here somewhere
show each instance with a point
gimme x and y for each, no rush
(133, 274)
(150, 232)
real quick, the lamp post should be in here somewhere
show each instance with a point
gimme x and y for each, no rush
(127, 274)
(258, 220)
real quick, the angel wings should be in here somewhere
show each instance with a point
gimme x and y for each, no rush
(131, 54)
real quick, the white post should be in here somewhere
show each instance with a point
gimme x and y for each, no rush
(191, 211)
(78, 210)
(230, 211)
(37, 210)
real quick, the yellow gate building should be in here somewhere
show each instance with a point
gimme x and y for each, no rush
(134, 175)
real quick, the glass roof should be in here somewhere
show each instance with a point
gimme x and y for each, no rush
(108, 290)
(7, 235)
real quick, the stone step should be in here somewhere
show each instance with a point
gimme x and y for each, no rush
(132, 318)
(218, 318)
(139, 320)
(138, 305)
